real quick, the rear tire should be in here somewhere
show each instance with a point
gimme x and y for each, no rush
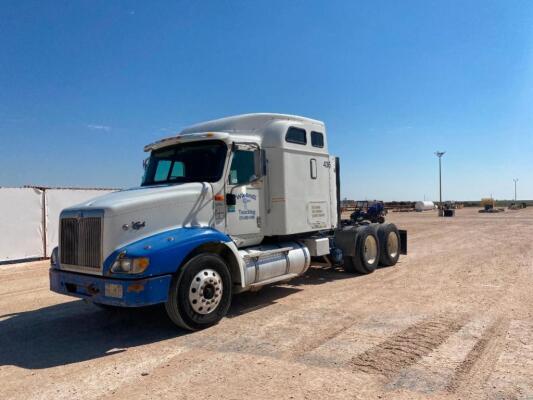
(200, 294)
(366, 256)
(389, 239)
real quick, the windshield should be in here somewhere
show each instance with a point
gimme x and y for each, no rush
(187, 162)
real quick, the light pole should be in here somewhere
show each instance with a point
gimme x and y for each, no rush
(515, 180)
(440, 154)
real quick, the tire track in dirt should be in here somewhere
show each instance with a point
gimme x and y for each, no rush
(472, 372)
(510, 365)
(315, 344)
(406, 347)
(339, 347)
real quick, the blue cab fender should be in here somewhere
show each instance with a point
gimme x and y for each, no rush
(169, 249)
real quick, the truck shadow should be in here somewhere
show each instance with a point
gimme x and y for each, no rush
(76, 331)
(316, 275)
(73, 332)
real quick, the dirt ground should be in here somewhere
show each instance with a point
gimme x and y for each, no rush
(453, 320)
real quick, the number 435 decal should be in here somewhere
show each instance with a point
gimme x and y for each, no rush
(327, 164)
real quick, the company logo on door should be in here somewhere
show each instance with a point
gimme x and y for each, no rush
(245, 213)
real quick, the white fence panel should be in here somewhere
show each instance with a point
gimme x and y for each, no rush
(57, 200)
(21, 223)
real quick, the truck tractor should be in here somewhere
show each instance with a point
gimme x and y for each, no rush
(224, 206)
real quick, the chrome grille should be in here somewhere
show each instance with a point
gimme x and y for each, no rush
(81, 242)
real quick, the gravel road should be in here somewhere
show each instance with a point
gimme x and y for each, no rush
(454, 319)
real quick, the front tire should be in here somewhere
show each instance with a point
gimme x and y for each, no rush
(200, 294)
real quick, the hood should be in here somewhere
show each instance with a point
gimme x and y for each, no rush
(152, 209)
(140, 198)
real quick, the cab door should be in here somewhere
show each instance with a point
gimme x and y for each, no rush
(244, 196)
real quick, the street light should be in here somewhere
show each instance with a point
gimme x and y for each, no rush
(440, 154)
(515, 180)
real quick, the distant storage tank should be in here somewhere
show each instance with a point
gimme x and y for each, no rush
(424, 206)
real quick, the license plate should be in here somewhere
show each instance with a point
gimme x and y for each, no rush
(113, 290)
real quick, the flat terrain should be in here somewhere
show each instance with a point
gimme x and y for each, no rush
(454, 319)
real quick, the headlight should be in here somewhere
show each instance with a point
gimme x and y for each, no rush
(127, 265)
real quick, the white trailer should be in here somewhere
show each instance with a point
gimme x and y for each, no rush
(224, 206)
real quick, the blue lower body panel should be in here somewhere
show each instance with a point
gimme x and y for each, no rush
(115, 292)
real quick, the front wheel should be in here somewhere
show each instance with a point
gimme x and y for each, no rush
(200, 295)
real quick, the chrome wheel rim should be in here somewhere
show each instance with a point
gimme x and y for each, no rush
(371, 249)
(205, 291)
(392, 244)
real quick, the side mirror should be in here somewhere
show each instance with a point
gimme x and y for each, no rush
(231, 199)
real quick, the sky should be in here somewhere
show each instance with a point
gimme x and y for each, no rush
(84, 85)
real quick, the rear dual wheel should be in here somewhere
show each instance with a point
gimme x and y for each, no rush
(389, 240)
(367, 252)
(374, 244)
(200, 294)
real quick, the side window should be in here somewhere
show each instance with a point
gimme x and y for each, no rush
(242, 167)
(161, 173)
(317, 139)
(296, 135)
(178, 170)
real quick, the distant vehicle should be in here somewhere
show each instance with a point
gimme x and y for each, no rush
(488, 205)
(448, 209)
(225, 206)
(369, 211)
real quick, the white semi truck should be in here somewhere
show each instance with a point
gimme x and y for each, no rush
(224, 206)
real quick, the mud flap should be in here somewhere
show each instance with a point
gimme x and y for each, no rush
(403, 241)
(345, 240)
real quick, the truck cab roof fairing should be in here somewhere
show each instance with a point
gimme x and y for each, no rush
(269, 130)
(249, 123)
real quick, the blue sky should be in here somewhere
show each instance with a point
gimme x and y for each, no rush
(84, 85)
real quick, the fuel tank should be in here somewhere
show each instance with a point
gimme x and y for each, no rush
(269, 261)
